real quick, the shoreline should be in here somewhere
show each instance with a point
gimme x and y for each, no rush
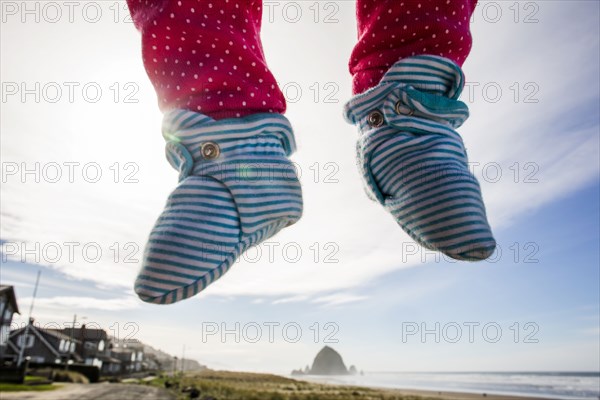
(459, 395)
(424, 393)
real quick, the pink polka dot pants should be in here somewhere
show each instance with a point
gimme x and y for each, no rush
(389, 30)
(206, 55)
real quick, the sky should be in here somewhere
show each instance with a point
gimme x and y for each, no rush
(84, 177)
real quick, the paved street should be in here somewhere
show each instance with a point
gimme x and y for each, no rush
(98, 391)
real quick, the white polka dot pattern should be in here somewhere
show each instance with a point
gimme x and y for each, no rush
(390, 30)
(206, 55)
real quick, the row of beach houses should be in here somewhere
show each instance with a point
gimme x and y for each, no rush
(76, 346)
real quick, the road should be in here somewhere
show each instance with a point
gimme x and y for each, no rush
(98, 391)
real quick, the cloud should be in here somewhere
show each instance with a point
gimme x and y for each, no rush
(339, 299)
(593, 331)
(292, 299)
(544, 147)
(85, 303)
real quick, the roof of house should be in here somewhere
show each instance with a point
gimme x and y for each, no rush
(121, 342)
(124, 344)
(86, 334)
(40, 332)
(51, 332)
(57, 334)
(122, 350)
(12, 299)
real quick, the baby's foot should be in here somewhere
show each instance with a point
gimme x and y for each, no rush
(415, 164)
(237, 188)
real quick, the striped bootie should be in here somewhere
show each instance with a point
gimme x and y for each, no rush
(236, 189)
(413, 161)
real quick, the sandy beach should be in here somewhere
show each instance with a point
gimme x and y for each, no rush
(456, 395)
(255, 386)
(431, 394)
(225, 385)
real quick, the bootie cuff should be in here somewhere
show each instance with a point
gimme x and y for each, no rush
(195, 141)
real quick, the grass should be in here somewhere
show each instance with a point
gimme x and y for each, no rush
(15, 387)
(225, 385)
(41, 383)
(34, 379)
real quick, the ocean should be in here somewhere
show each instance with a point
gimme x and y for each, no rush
(556, 385)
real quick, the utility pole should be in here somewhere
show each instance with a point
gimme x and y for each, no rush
(182, 360)
(70, 352)
(22, 349)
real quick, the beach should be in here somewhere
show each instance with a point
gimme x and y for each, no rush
(115, 391)
(228, 385)
(258, 386)
(429, 394)
(548, 385)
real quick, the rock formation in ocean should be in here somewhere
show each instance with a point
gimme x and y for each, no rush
(328, 362)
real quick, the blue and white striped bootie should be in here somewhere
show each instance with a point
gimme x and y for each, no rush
(413, 161)
(236, 189)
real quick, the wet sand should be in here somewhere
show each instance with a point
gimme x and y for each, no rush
(458, 395)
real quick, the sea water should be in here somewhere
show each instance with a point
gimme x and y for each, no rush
(556, 385)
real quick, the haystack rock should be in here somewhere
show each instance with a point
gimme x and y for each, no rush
(328, 362)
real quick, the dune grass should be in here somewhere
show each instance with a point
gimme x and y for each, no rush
(226, 385)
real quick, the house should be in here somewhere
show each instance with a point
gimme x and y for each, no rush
(111, 366)
(42, 345)
(131, 354)
(8, 307)
(94, 346)
(126, 358)
(152, 363)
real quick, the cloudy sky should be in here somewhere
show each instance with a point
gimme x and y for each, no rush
(84, 177)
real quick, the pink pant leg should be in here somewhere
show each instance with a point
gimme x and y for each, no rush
(206, 56)
(389, 30)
